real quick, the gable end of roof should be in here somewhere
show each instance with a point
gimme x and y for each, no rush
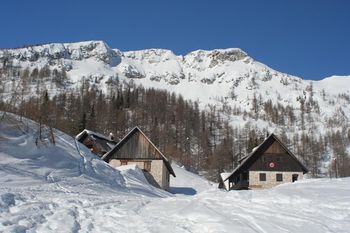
(259, 151)
(108, 155)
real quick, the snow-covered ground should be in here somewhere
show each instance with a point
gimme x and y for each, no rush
(64, 188)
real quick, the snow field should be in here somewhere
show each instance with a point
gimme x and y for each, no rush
(64, 188)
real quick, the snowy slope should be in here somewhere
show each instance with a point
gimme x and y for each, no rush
(187, 183)
(67, 161)
(58, 189)
(229, 77)
(221, 76)
(51, 188)
(22, 159)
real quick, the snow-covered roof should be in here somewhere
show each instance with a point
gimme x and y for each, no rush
(105, 142)
(225, 175)
(89, 132)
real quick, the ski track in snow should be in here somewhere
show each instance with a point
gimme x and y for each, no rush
(80, 193)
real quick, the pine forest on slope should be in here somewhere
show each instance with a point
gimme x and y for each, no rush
(205, 109)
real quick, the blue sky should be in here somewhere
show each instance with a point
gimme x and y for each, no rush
(307, 38)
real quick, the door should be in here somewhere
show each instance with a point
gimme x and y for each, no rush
(244, 180)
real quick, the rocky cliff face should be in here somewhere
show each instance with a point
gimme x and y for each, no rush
(56, 54)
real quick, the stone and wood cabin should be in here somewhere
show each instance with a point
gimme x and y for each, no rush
(137, 148)
(97, 143)
(269, 164)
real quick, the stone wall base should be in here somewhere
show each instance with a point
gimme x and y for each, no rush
(255, 183)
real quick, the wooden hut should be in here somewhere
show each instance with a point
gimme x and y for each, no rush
(137, 148)
(269, 164)
(97, 143)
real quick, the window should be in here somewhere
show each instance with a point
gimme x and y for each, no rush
(294, 177)
(262, 176)
(279, 177)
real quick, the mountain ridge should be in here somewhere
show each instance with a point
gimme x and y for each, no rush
(222, 77)
(102, 48)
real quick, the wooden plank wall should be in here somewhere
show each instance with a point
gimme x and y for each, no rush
(277, 155)
(137, 147)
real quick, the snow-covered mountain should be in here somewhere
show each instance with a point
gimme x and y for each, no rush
(65, 188)
(222, 77)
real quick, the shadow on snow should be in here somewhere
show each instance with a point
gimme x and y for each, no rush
(183, 190)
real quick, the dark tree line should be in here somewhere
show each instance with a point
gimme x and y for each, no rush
(203, 141)
(200, 140)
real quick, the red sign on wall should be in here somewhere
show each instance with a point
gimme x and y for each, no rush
(272, 165)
